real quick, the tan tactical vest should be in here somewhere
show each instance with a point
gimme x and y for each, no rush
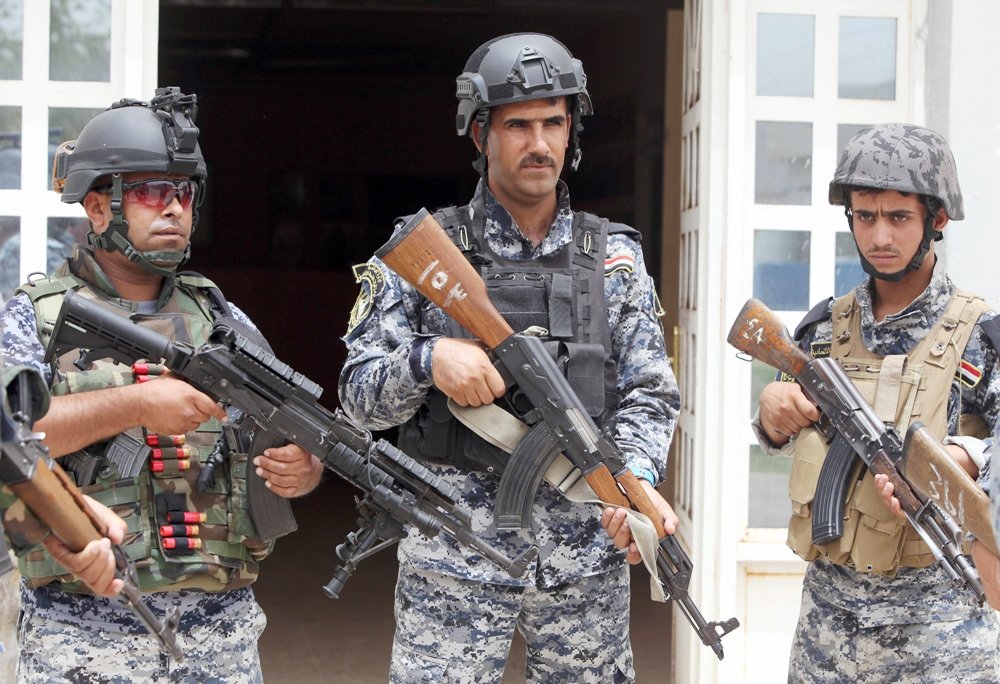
(230, 552)
(902, 389)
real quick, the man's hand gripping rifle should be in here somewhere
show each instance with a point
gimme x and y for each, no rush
(938, 498)
(422, 254)
(52, 496)
(233, 370)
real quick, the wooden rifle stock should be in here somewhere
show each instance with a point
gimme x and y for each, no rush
(56, 501)
(424, 256)
(759, 333)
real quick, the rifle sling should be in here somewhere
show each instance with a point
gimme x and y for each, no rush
(506, 432)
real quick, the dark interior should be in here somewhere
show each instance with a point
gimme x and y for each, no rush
(321, 122)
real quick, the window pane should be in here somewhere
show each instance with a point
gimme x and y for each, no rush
(10, 148)
(11, 39)
(10, 255)
(64, 232)
(768, 496)
(867, 61)
(845, 132)
(847, 272)
(80, 40)
(65, 123)
(785, 48)
(760, 375)
(783, 163)
(781, 269)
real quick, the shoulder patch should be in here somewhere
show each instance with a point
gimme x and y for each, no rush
(967, 374)
(372, 282)
(623, 263)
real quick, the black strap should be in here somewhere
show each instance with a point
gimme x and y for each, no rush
(820, 312)
(992, 330)
(223, 313)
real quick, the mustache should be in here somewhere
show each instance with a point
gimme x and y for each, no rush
(538, 160)
(882, 251)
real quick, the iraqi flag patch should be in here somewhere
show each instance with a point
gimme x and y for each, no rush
(623, 263)
(968, 374)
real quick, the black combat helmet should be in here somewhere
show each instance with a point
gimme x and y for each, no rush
(516, 68)
(907, 159)
(133, 136)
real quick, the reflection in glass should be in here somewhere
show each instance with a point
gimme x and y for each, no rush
(80, 40)
(783, 163)
(11, 39)
(10, 255)
(781, 268)
(65, 123)
(10, 148)
(785, 48)
(867, 61)
(848, 273)
(64, 232)
(768, 494)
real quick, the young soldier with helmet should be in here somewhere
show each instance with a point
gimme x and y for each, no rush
(139, 173)
(875, 605)
(521, 99)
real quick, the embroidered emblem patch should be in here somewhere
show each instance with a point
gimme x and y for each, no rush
(372, 282)
(623, 263)
(820, 350)
(968, 374)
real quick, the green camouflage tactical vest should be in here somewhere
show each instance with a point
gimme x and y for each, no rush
(230, 551)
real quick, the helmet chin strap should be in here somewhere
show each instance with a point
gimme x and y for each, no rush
(116, 238)
(930, 235)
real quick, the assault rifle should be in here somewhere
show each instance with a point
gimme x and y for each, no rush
(423, 255)
(938, 498)
(237, 372)
(52, 496)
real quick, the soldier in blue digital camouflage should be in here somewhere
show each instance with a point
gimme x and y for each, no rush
(583, 280)
(875, 605)
(139, 173)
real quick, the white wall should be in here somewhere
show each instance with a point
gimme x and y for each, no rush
(963, 103)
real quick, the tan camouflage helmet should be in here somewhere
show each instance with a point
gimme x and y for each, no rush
(899, 157)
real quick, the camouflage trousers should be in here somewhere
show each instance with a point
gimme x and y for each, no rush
(831, 647)
(219, 647)
(451, 631)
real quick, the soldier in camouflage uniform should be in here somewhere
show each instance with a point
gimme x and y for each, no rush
(875, 606)
(520, 98)
(138, 171)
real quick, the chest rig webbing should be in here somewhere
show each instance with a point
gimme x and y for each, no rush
(229, 551)
(562, 293)
(902, 389)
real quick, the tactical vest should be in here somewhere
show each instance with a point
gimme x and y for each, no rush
(562, 293)
(230, 551)
(901, 389)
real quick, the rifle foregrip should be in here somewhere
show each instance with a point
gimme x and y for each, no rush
(640, 500)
